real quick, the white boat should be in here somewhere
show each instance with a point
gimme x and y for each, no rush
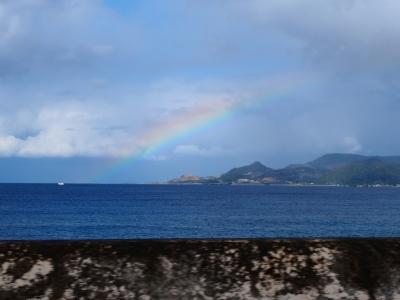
(60, 183)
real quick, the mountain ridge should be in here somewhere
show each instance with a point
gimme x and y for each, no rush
(328, 169)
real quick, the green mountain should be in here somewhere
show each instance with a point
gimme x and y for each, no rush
(366, 172)
(343, 169)
(254, 171)
(335, 160)
(336, 168)
(298, 174)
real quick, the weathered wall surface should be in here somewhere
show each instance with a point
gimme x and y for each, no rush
(184, 269)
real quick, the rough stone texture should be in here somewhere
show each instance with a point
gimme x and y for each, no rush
(196, 269)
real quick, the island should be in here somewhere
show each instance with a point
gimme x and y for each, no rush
(331, 169)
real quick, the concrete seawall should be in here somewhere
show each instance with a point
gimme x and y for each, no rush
(197, 269)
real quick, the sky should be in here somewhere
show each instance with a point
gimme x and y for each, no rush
(126, 91)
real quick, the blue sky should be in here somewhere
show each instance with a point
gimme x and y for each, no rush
(83, 82)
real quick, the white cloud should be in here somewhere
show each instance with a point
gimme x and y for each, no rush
(100, 127)
(68, 129)
(198, 151)
(9, 145)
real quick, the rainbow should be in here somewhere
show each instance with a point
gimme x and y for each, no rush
(196, 119)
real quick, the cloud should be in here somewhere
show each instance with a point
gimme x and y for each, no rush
(38, 37)
(99, 127)
(9, 145)
(156, 157)
(198, 151)
(99, 79)
(352, 145)
(347, 35)
(65, 130)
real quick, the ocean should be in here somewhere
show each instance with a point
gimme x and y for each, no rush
(79, 211)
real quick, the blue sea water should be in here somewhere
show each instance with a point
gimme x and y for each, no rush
(48, 211)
